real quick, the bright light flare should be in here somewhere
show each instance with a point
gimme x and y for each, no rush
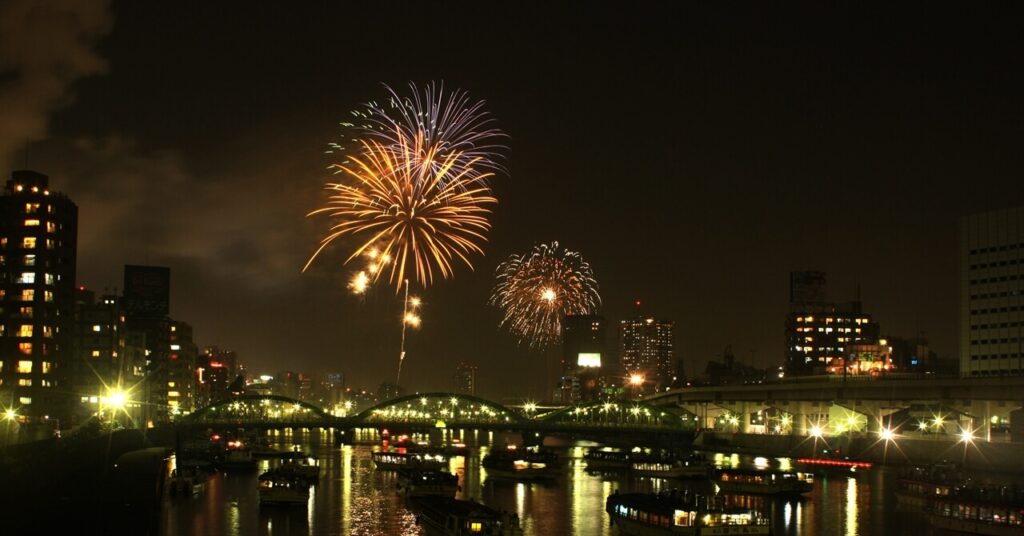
(116, 399)
(359, 283)
(10, 414)
(415, 302)
(816, 432)
(412, 319)
(548, 295)
(967, 436)
(636, 380)
(887, 434)
(530, 407)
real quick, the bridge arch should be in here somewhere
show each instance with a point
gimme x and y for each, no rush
(619, 413)
(430, 408)
(262, 409)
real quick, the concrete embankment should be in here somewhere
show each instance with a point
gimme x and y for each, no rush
(901, 451)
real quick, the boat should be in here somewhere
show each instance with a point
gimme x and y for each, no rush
(604, 460)
(521, 464)
(277, 488)
(917, 487)
(654, 514)
(670, 468)
(453, 517)
(763, 482)
(392, 460)
(187, 480)
(417, 483)
(972, 516)
(238, 456)
(952, 502)
(301, 468)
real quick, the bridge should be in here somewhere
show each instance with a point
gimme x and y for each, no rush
(987, 407)
(424, 412)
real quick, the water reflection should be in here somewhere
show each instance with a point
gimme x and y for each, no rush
(355, 498)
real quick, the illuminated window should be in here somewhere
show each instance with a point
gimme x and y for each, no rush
(25, 348)
(25, 400)
(95, 353)
(30, 260)
(24, 367)
(46, 383)
(49, 208)
(170, 384)
(49, 243)
(27, 278)
(32, 223)
(29, 242)
(31, 208)
(25, 331)
(46, 366)
(48, 332)
(25, 312)
(96, 328)
(51, 227)
(47, 296)
(173, 394)
(25, 382)
(175, 347)
(28, 294)
(49, 279)
(1, 366)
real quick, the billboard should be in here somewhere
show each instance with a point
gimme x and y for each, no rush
(807, 287)
(147, 291)
(588, 360)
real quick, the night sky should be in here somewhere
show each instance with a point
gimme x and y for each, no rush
(694, 157)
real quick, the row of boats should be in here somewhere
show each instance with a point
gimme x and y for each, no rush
(955, 502)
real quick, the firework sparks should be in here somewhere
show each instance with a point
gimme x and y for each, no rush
(453, 127)
(537, 289)
(410, 217)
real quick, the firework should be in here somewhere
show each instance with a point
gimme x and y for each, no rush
(412, 213)
(537, 289)
(451, 124)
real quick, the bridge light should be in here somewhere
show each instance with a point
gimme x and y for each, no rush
(530, 407)
(938, 421)
(887, 434)
(816, 432)
(10, 414)
(966, 436)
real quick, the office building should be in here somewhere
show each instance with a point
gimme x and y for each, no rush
(464, 380)
(584, 358)
(992, 293)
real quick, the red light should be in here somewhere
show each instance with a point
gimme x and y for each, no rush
(638, 303)
(215, 437)
(216, 364)
(385, 432)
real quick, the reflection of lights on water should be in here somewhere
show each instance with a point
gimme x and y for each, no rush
(851, 506)
(785, 464)
(761, 462)
(788, 514)
(521, 500)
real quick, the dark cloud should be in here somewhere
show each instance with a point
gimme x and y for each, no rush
(45, 46)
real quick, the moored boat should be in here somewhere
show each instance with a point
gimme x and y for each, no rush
(187, 480)
(301, 468)
(452, 517)
(418, 483)
(521, 464)
(238, 456)
(601, 459)
(669, 468)
(649, 514)
(763, 482)
(277, 488)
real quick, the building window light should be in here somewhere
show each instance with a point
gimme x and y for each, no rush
(95, 353)
(32, 223)
(31, 208)
(29, 242)
(25, 382)
(30, 260)
(96, 328)
(25, 348)
(25, 400)
(24, 367)
(27, 278)
(51, 227)
(25, 330)
(46, 366)
(47, 296)
(48, 279)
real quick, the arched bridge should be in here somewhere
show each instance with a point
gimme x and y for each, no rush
(426, 411)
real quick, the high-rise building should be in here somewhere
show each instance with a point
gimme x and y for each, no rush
(646, 348)
(584, 358)
(992, 293)
(108, 361)
(38, 244)
(181, 369)
(464, 380)
(146, 303)
(216, 369)
(818, 332)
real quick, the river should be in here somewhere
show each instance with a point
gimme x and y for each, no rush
(355, 498)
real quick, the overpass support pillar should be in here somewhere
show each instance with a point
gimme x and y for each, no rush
(745, 417)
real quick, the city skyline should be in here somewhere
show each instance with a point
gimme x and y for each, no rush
(697, 191)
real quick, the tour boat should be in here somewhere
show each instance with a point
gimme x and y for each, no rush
(669, 468)
(649, 514)
(417, 483)
(391, 460)
(452, 517)
(521, 464)
(915, 489)
(977, 516)
(763, 482)
(282, 489)
(603, 460)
